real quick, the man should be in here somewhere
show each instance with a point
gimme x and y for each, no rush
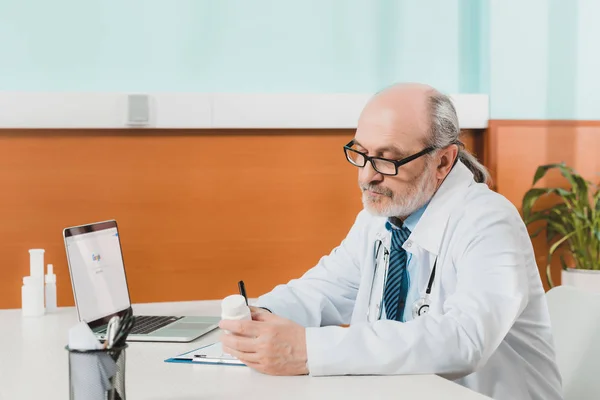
(451, 246)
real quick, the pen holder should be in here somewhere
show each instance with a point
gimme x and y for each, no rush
(97, 374)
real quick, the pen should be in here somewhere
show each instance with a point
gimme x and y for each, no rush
(243, 290)
(111, 332)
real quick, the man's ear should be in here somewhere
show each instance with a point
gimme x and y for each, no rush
(447, 157)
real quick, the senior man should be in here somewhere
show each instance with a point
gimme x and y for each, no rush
(436, 276)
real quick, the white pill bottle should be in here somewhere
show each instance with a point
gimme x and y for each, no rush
(234, 307)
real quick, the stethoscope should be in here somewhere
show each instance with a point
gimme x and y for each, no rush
(420, 307)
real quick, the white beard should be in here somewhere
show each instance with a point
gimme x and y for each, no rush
(417, 195)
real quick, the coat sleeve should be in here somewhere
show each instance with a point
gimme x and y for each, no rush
(325, 295)
(491, 293)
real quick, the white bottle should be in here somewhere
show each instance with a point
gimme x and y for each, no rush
(234, 307)
(32, 303)
(36, 263)
(50, 289)
(36, 270)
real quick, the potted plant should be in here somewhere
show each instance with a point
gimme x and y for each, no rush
(573, 223)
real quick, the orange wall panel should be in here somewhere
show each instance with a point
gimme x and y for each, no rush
(197, 210)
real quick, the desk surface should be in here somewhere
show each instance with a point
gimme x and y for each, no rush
(34, 364)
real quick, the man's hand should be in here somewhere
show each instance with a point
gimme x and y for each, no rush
(257, 310)
(269, 344)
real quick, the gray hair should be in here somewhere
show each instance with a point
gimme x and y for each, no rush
(445, 131)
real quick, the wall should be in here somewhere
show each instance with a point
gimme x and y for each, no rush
(537, 60)
(543, 50)
(544, 60)
(197, 212)
(169, 201)
(236, 45)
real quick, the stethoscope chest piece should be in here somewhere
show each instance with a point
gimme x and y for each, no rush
(421, 307)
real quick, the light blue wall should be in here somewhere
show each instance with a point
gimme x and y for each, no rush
(588, 60)
(538, 59)
(228, 45)
(544, 59)
(518, 59)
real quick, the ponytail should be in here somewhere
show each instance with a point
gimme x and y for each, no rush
(480, 173)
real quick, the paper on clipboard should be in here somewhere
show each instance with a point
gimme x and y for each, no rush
(211, 354)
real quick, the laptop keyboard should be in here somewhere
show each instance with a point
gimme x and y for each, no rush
(145, 324)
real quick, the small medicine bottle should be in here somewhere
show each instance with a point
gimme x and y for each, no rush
(234, 307)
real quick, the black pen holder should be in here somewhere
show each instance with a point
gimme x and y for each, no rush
(97, 374)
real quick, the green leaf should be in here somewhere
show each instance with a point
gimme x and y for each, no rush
(551, 251)
(549, 276)
(562, 192)
(580, 253)
(534, 194)
(579, 186)
(560, 219)
(542, 169)
(553, 230)
(580, 214)
(530, 198)
(556, 245)
(582, 190)
(537, 216)
(551, 233)
(537, 233)
(558, 224)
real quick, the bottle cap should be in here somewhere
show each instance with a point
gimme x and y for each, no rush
(234, 305)
(37, 251)
(28, 280)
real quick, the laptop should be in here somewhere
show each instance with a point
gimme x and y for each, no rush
(100, 288)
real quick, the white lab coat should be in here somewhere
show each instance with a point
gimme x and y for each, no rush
(488, 326)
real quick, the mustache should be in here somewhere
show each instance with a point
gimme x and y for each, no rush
(377, 189)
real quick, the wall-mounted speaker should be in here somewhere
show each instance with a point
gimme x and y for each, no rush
(138, 110)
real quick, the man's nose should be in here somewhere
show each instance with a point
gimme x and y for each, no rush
(368, 174)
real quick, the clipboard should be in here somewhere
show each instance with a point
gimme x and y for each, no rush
(209, 354)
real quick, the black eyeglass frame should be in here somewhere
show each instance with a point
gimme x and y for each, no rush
(397, 163)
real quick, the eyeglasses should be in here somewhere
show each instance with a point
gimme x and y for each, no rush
(382, 165)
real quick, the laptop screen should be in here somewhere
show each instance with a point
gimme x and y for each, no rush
(97, 270)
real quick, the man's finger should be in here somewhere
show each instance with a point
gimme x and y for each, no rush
(242, 328)
(239, 343)
(266, 317)
(256, 366)
(254, 309)
(243, 357)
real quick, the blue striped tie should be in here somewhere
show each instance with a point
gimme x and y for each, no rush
(396, 287)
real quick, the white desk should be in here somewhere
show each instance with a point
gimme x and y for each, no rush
(34, 365)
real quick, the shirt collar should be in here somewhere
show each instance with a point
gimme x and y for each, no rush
(410, 222)
(428, 224)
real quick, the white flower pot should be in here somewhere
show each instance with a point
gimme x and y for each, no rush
(582, 278)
